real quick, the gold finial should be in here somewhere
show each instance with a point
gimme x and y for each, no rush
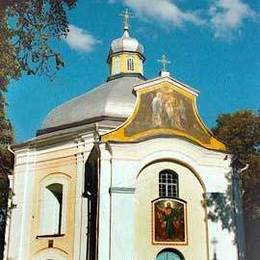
(164, 62)
(126, 16)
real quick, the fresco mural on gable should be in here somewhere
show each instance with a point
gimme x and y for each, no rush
(169, 221)
(165, 108)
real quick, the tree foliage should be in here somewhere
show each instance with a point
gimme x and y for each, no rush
(6, 164)
(241, 132)
(27, 31)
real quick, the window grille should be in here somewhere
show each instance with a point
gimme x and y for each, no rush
(130, 64)
(168, 184)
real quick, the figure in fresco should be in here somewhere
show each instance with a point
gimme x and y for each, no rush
(166, 216)
(166, 108)
(183, 113)
(157, 109)
(169, 221)
(172, 110)
(170, 105)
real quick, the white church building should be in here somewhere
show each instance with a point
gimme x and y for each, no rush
(121, 172)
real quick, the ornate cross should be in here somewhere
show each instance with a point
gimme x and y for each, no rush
(126, 16)
(164, 62)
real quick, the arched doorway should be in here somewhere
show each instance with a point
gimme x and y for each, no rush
(169, 254)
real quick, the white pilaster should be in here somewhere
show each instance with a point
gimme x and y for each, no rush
(123, 224)
(20, 235)
(104, 206)
(80, 236)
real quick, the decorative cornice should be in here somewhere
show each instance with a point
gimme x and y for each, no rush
(57, 137)
(120, 75)
(79, 123)
(124, 52)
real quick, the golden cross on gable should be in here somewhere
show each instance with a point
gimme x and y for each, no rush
(126, 16)
(164, 62)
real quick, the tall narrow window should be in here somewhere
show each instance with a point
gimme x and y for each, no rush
(117, 65)
(168, 184)
(141, 67)
(51, 210)
(130, 64)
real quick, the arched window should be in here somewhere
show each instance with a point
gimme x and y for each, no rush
(130, 64)
(116, 65)
(53, 205)
(169, 254)
(168, 184)
(51, 217)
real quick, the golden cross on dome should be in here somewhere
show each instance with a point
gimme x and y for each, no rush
(164, 62)
(126, 16)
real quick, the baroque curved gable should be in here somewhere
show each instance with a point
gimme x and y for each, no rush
(164, 107)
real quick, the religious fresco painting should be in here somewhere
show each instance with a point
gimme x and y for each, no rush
(169, 221)
(165, 108)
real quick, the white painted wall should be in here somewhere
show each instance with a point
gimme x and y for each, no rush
(191, 191)
(120, 170)
(84, 146)
(225, 247)
(120, 166)
(104, 232)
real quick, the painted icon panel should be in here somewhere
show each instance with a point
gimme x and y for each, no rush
(165, 108)
(169, 221)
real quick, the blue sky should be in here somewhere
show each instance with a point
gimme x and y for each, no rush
(214, 46)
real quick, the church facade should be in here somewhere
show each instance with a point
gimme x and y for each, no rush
(122, 172)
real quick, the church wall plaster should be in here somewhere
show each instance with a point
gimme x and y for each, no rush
(123, 165)
(49, 164)
(54, 170)
(191, 191)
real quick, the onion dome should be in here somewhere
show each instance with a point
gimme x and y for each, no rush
(126, 44)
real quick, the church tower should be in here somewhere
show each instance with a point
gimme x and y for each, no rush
(126, 55)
